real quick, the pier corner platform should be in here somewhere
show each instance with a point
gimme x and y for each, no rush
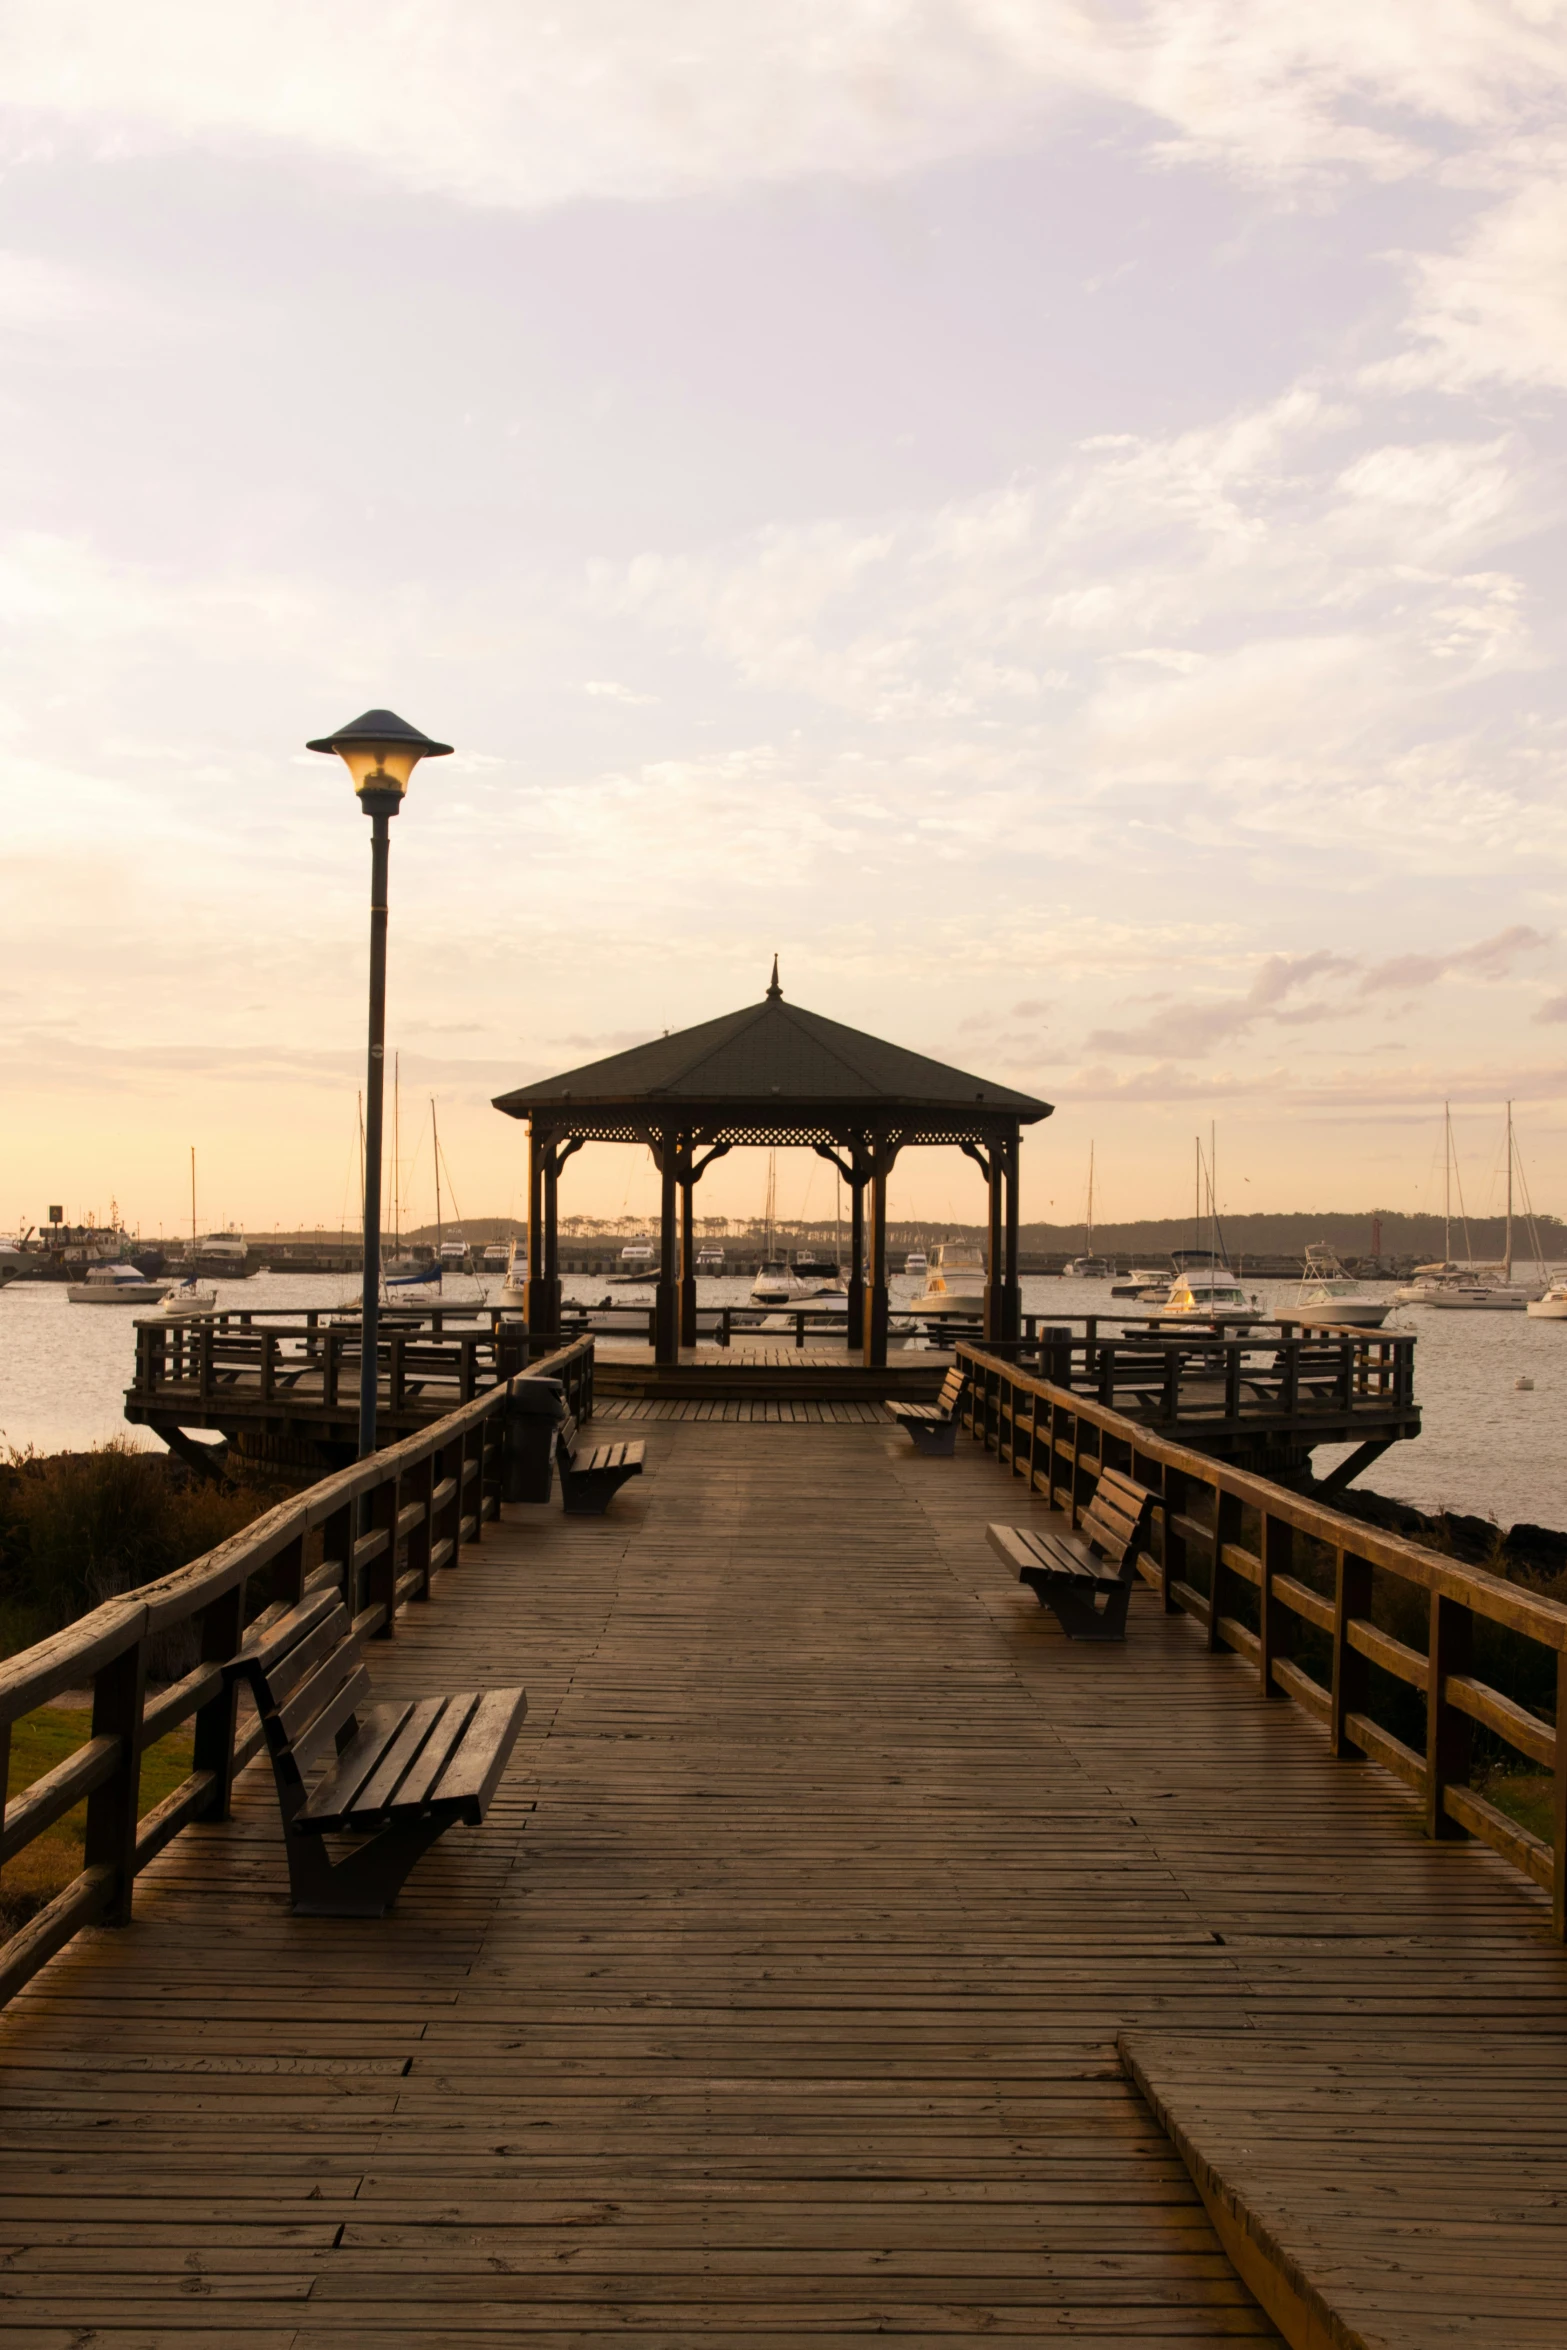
(846, 1954)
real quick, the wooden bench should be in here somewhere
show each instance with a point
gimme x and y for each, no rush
(1086, 1577)
(590, 1480)
(933, 1426)
(397, 1774)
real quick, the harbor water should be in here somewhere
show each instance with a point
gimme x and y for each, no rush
(1487, 1447)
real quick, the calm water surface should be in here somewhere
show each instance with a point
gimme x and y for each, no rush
(1485, 1447)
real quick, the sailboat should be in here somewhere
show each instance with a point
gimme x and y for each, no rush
(1429, 1278)
(405, 1271)
(1088, 1267)
(191, 1296)
(1474, 1293)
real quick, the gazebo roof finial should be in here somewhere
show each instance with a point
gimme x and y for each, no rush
(773, 987)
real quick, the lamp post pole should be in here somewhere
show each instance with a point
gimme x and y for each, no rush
(370, 1311)
(380, 751)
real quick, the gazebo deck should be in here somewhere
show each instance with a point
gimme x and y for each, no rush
(778, 1999)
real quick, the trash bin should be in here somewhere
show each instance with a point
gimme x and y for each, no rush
(533, 1407)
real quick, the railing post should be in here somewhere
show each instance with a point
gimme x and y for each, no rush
(337, 1543)
(1232, 1378)
(420, 1482)
(1449, 1734)
(473, 1448)
(1226, 1528)
(222, 1628)
(1351, 1683)
(1274, 1622)
(119, 1691)
(1176, 1503)
(381, 1572)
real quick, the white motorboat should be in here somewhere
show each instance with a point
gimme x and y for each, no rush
(12, 1261)
(496, 1257)
(1425, 1278)
(955, 1283)
(916, 1264)
(1328, 1298)
(116, 1285)
(1212, 1295)
(638, 1260)
(453, 1255)
(514, 1289)
(709, 1259)
(1149, 1282)
(1552, 1307)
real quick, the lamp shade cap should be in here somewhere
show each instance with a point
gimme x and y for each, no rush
(380, 726)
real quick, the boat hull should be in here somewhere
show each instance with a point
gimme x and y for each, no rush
(1351, 1314)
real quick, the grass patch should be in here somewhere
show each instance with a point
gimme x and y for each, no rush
(38, 1742)
(1527, 1797)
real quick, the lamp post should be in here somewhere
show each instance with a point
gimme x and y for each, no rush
(380, 751)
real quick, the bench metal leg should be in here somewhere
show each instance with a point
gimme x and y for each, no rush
(366, 1882)
(587, 1493)
(931, 1438)
(1075, 1610)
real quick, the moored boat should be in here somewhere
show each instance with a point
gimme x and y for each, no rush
(116, 1285)
(1328, 1299)
(955, 1284)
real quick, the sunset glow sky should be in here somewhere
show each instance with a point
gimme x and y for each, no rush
(1047, 516)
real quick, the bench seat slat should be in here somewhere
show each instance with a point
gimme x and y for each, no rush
(422, 1780)
(378, 1787)
(473, 1774)
(379, 1726)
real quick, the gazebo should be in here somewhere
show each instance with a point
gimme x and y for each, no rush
(773, 1075)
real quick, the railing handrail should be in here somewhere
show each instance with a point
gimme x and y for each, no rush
(107, 1646)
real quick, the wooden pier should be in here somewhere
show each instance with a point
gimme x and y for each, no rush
(846, 1955)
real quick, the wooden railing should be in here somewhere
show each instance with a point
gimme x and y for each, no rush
(1236, 1553)
(192, 1359)
(1275, 1371)
(380, 1531)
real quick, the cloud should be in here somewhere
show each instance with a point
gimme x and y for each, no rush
(1488, 958)
(1553, 1009)
(1192, 1029)
(1493, 309)
(522, 107)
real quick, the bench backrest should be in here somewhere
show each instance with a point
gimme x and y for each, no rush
(566, 1437)
(952, 1388)
(307, 1677)
(1117, 1521)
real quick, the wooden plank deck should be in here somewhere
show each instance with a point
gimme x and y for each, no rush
(778, 1999)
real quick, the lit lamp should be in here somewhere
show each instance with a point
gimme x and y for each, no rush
(380, 751)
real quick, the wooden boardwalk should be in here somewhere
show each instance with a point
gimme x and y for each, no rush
(778, 2000)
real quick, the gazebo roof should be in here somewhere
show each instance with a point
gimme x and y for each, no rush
(772, 1072)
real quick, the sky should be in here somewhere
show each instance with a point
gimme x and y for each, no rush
(1046, 516)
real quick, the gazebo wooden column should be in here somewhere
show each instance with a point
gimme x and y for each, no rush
(1012, 1298)
(995, 1270)
(691, 1170)
(666, 1312)
(855, 1171)
(547, 1154)
(882, 1152)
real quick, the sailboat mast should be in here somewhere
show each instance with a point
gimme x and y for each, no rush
(193, 1207)
(1196, 1191)
(435, 1146)
(1447, 1183)
(397, 1153)
(1507, 1250)
(1090, 1250)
